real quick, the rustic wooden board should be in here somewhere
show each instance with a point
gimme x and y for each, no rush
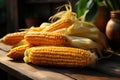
(109, 67)
(104, 70)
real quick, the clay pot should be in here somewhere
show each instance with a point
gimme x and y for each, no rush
(101, 18)
(113, 30)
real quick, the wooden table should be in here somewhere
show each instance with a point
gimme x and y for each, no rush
(107, 69)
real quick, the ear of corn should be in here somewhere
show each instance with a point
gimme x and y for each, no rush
(61, 23)
(45, 38)
(17, 52)
(87, 30)
(83, 29)
(13, 38)
(59, 56)
(83, 43)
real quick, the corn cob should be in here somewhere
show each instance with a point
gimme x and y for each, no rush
(17, 52)
(83, 43)
(83, 29)
(13, 38)
(87, 30)
(61, 23)
(59, 56)
(45, 38)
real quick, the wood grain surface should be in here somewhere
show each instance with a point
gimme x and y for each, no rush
(107, 69)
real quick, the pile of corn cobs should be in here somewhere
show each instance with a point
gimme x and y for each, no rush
(66, 42)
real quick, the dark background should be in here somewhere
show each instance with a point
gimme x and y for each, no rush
(15, 14)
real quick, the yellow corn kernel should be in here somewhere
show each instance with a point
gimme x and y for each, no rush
(62, 31)
(45, 38)
(22, 42)
(17, 52)
(59, 56)
(13, 38)
(61, 23)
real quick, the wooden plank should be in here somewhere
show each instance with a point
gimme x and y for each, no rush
(4, 47)
(109, 67)
(28, 71)
(84, 74)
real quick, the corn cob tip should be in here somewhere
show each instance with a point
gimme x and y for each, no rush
(1, 41)
(26, 57)
(17, 52)
(93, 58)
(13, 38)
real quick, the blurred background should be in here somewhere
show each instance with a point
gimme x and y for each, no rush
(17, 14)
(3, 17)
